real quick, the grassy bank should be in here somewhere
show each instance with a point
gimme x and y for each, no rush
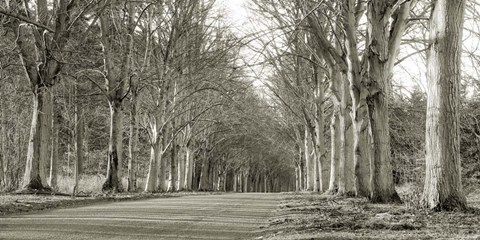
(314, 216)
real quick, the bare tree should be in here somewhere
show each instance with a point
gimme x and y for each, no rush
(443, 185)
(41, 38)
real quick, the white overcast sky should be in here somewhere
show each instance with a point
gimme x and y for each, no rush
(408, 74)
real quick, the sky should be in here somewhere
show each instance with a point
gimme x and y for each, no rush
(408, 75)
(236, 11)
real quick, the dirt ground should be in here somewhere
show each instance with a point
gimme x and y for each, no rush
(26, 203)
(208, 217)
(314, 216)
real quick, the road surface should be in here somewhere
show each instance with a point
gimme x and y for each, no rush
(226, 216)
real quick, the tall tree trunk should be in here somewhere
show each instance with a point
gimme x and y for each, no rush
(204, 174)
(151, 180)
(383, 44)
(133, 140)
(113, 181)
(117, 77)
(300, 170)
(362, 159)
(161, 162)
(79, 127)
(359, 111)
(3, 149)
(235, 182)
(79, 133)
(321, 150)
(181, 168)
(308, 162)
(297, 177)
(52, 180)
(40, 136)
(189, 168)
(341, 128)
(334, 143)
(443, 185)
(173, 166)
(349, 161)
(40, 53)
(245, 181)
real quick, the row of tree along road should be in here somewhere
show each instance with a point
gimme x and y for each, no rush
(333, 63)
(172, 66)
(196, 121)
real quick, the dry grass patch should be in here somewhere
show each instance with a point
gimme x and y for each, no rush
(313, 216)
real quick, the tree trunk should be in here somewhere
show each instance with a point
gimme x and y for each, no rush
(245, 181)
(52, 180)
(79, 133)
(117, 76)
(297, 177)
(151, 180)
(181, 168)
(341, 130)
(362, 160)
(189, 168)
(113, 180)
(3, 149)
(162, 163)
(79, 127)
(133, 141)
(359, 110)
(40, 136)
(443, 185)
(334, 143)
(334, 152)
(300, 170)
(173, 167)
(204, 173)
(349, 162)
(308, 162)
(381, 50)
(235, 182)
(319, 138)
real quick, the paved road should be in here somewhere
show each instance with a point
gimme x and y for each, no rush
(227, 216)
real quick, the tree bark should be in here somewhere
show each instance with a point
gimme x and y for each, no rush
(40, 136)
(332, 185)
(341, 134)
(308, 162)
(3, 149)
(40, 53)
(181, 168)
(189, 168)
(173, 167)
(52, 180)
(113, 181)
(162, 164)
(133, 140)
(151, 180)
(117, 77)
(382, 49)
(245, 181)
(79, 130)
(319, 132)
(348, 168)
(443, 185)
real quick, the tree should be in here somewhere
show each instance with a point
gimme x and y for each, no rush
(443, 185)
(117, 44)
(382, 48)
(41, 41)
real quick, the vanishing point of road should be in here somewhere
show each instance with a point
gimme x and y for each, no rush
(224, 216)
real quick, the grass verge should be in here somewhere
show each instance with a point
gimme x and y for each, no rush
(314, 216)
